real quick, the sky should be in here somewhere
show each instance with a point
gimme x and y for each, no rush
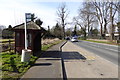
(12, 12)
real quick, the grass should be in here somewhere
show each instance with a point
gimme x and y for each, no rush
(45, 47)
(5, 40)
(109, 42)
(12, 67)
(2, 40)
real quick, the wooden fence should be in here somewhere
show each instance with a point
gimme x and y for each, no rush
(7, 45)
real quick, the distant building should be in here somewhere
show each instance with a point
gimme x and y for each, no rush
(116, 36)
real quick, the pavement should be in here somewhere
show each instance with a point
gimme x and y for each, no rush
(70, 63)
(48, 66)
(83, 64)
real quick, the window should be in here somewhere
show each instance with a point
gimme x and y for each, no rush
(29, 39)
(17, 38)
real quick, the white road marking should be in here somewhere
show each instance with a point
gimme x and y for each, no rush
(107, 48)
(102, 44)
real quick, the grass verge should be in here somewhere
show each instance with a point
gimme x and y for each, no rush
(109, 42)
(5, 39)
(12, 67)
(45, 47)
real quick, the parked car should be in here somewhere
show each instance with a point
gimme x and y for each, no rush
(74, 39)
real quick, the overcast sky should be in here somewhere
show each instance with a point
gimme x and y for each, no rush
(12, 12)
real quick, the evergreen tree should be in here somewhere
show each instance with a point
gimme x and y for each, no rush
(58, 31)
(75, 31)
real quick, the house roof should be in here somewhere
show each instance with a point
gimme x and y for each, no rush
(30, 25)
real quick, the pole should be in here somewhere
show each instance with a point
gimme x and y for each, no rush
(25, 33)
(26, 52)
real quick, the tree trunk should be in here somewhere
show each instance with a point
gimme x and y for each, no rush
(85, 33)
(105, 29)
(63, 25)
(101, 30)
(118, 24)
(88, 25)
(63, 32)
(112, 26)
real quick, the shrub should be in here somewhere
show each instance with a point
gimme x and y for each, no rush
(12, 63)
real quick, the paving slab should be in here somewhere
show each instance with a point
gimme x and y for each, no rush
(48, 66)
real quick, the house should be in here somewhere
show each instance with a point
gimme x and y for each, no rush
(116, 36)
(34, 35)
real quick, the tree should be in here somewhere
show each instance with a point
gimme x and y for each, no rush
(49, 29)
(62, 13)
(118, 25)
(113, 10)
(83, 31)
(68, 32)
(49, 34)
(38, 22)
(102, 14)
(88, 13)
(1, 29)
(8, 32)
(33, 17)
(94, 33)
(57, 31)
(82, 24)
(75, 31)
(105, 12)
(86, 17)
(9, 27)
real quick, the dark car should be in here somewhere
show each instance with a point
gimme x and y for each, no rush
(67, 38)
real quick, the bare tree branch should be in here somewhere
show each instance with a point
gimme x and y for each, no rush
(62, 13)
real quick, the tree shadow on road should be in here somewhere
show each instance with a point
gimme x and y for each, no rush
(42, 64)
(50, 54)
(72, 56)
(62, 56)
(56, 55)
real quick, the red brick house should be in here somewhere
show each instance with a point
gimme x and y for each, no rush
(34, 35)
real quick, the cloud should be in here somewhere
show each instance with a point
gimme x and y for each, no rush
(13, 13)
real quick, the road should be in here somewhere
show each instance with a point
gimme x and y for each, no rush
(81, 63)
(70, 61)
(109, 52)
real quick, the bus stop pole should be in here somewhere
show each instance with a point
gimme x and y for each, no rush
(25, 33)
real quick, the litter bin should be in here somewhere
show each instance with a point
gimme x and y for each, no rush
(26, 53)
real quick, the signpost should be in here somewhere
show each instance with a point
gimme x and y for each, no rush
(26, 52)
(27, 19)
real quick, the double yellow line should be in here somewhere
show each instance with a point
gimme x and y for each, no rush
(90, 57)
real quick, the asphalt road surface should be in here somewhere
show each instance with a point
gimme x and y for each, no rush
(109, 52)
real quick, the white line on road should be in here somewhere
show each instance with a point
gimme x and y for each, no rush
(102, 47)
(106, 48)
(102, 44)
